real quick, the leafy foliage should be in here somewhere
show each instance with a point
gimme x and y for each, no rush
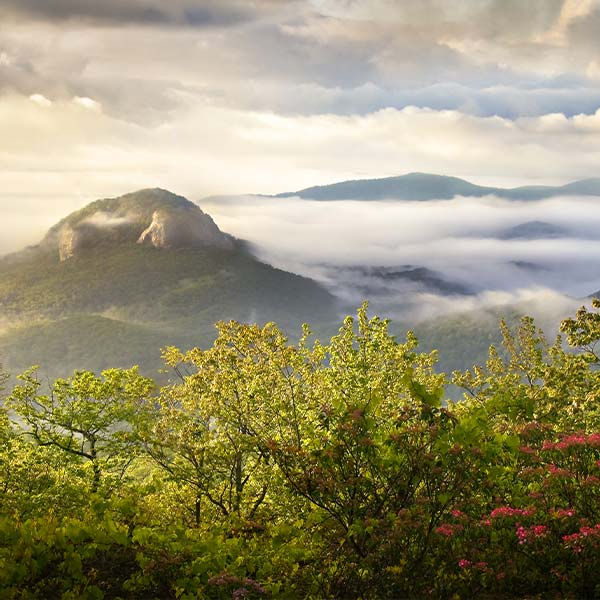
(310, 470)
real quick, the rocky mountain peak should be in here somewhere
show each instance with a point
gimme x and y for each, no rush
(153, 217)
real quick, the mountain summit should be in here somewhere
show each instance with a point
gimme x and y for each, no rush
(153, 217)
(426, 186)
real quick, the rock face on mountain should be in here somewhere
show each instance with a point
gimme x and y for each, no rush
(68, 239)
(152, 217)
(187, 228)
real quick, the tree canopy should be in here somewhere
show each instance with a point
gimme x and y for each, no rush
(266, 468)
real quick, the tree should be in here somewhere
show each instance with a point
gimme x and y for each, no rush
(86, 416)
(208, 431)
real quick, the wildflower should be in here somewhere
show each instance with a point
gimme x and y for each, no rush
(558, 472)
(591, 480)
(562, 513)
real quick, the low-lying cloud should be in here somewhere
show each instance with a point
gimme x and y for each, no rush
(457, 246)
(106, 220)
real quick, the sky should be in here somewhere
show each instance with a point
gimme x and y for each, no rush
(208, 97)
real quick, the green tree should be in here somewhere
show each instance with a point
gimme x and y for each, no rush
(208, 431)
(85, 416)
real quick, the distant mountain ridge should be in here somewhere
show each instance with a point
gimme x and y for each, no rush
(425, 186)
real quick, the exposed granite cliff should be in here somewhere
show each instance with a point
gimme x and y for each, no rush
(186, 228)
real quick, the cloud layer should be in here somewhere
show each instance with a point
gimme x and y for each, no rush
(461, 241)
(502, 57)
(59, 155)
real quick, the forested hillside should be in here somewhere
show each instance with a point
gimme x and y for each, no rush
(271, 469)
(112, 283)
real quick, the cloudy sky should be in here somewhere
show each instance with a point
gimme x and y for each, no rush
(98, 98)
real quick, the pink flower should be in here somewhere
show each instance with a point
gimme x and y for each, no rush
(529, 534)
(508, 511)
(446, 530)
(558, 472)
(574, 440)
(562, 513)
(585, 536)
(463, 563)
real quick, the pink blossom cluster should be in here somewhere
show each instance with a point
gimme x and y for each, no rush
(245, 584)
(464, 563)
(507, 511)
(558, 472)
(585, 535)
(562, 513)
(526, 535)
(448, 530)
(574, 440)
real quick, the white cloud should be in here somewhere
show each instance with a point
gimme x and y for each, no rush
(104, 219)
(74, 156)
(40, 99)
(87, 103)
(455, 238)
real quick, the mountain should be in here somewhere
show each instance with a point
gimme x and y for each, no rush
(154, 217)
(389, 289)
(533, 230)
(111, 284)
(114, 282)
(424, 186)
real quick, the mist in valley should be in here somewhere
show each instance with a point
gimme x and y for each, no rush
(421, 260)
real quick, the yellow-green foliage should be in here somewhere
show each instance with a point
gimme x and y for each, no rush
(310, 470)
